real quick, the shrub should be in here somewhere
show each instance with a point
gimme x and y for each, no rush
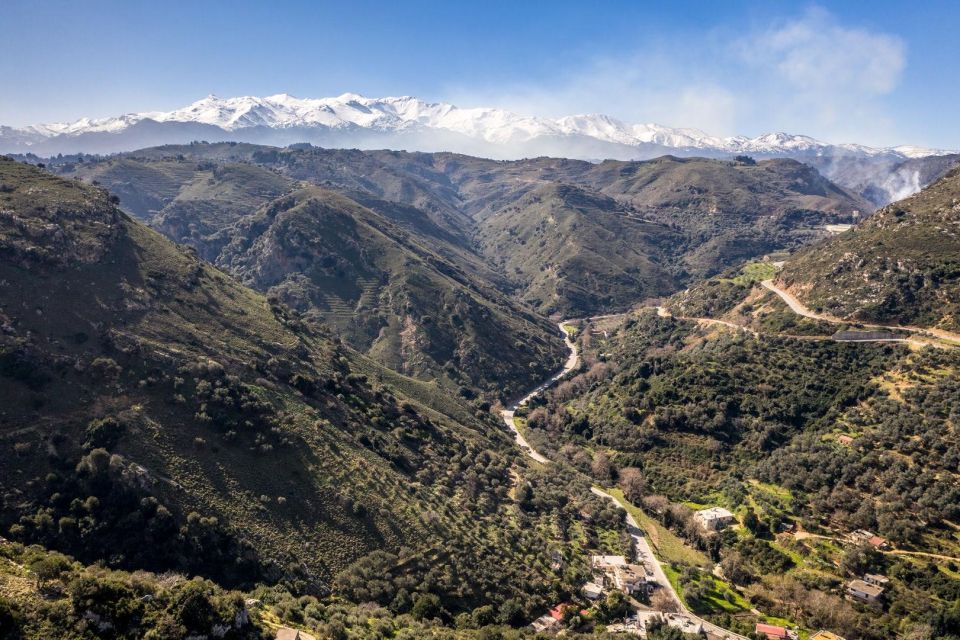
(426, 607)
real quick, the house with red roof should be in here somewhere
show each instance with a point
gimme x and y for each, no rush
(879, 543)
(771, 631)
(557, 612)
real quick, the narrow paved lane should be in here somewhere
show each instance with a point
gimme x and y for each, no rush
(644, 552)
(663, 312)
(800, 309)
(573, 361)
(633, 528)
(795, 305)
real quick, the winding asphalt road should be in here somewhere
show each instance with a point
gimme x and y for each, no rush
(573, 361)
(663, 312)
(633, 528)
(800, 309)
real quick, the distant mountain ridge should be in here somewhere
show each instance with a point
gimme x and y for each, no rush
(498, 126)
(406, 123)
(559, 236)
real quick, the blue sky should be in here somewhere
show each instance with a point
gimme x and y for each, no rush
(880, 73)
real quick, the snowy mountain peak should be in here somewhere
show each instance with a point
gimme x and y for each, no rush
(404, 114)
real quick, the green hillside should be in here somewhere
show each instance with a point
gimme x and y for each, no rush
(158, 415)
(710, 214)
(573, 252)
(900, 266)
(825, 437)
(730, 211)
(394, 281)
(390, 294)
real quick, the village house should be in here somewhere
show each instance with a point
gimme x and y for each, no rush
(862, 536)
(614, 572)
(647, 619)
(771, 631)
(684, 623)
(845, 440)
(825, 635)
(714, 518)
(642, 622)
(557, 612)
(630, 628)
(879, 543)
(864, 591)
(591, 591)
(544, 623)
(878, 580)
(631, 579)
(603, 563)
(639, 624)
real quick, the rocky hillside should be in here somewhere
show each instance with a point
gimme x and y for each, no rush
(572, 251)
(443, 266)
(385, 287)
(726, 211)
(900, 266)
(729, 211)
(397, 281)
(156, 414)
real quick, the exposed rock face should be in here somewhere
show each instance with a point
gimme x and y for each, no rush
(54, 222)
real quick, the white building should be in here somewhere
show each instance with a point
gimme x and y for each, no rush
(864, 591)
(602, 563)
(544, 623)
(684, 623)
(878, 580)
(614, 572)
(591, 591)
(714, 518)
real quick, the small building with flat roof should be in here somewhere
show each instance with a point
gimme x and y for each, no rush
(864, 591)
(591, 591)
(714, 518)
(873, 578)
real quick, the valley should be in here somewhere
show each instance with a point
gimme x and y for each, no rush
(589, 424)
(643, 551)
(300, 369)
(479, 321)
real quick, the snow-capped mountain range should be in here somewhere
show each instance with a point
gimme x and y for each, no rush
(412, 118)
(406, 123)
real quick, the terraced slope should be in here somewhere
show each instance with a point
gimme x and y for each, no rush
(157, 414)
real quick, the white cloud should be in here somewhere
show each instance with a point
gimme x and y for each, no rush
(806, 74)
(659, 84)
(816, 53)
(826, 77)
